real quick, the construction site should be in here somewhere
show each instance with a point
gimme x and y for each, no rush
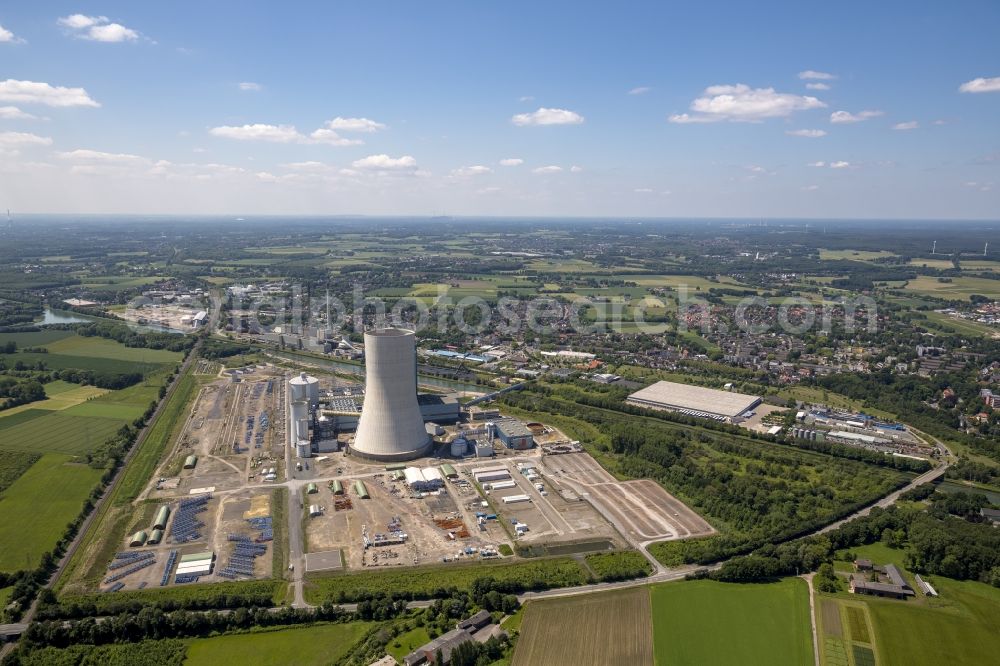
(370, 485)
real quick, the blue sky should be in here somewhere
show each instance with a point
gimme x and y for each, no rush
(616, 109)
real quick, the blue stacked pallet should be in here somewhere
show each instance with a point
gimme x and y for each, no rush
(119, 563)
(185, 525)
(116, 587)
(186, 578)
(171, 560)
(270, 386)
(131, 570)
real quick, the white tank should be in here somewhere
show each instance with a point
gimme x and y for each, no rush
(300, 420)
(302, 449)
(391, 426)
(304, 388)
(459, 447)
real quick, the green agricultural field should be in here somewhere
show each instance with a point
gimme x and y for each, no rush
(34, 339)
(12, 465)
(941, 320)
(316, 645)
(854, 255)
(959, 288)
(605, 628)
(61, 395)
(93, 346)
(940, 264)
(706, 622)
(962, 627)
(35, 509)
(692, 282)
(56, 432)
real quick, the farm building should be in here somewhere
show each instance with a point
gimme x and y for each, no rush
(896, 588)
(694, 400)
(513, 434)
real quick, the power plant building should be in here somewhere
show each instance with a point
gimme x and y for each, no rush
(513, 434)
(391, 427)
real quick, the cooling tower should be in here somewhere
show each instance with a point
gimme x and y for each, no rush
(391, 427)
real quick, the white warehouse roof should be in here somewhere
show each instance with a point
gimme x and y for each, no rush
(671, 395)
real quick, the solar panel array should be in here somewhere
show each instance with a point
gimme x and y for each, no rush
(186, 524)
(246, 549)
(138, 566)
(121, 562)
(171, 560)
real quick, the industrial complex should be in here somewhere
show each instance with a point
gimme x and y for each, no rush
(695, 400)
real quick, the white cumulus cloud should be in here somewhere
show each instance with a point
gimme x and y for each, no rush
(477, 170)
(23, 139)
(258, 132)
(511, 161)
(97, 29)
(912, 124)
(545, 116)
(250, 86)
(552, 168)
(981, 85)
(576, 169)
(385, 163)
(839, 165)
(817, 86)
(807, 133)
(14, 113)
(6, 36)
(35, 92)
(841, 117)
(329, 137)
(643, 190)
(741, 103)
(85, 155)
(354, 125)
(813, 75)
(817, 164)
(640, 90)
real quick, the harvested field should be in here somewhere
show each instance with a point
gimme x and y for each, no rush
(607, 628)
(642, 509)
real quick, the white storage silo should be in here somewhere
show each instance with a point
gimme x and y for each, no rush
(302, 448)
(391, 426)
(304, 388)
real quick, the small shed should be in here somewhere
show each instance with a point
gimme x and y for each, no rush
(361, 489)
(155, 537)
(311, 489)
(138, 539)
(190, 462)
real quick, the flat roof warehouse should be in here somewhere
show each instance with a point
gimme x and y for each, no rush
(694, 400)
